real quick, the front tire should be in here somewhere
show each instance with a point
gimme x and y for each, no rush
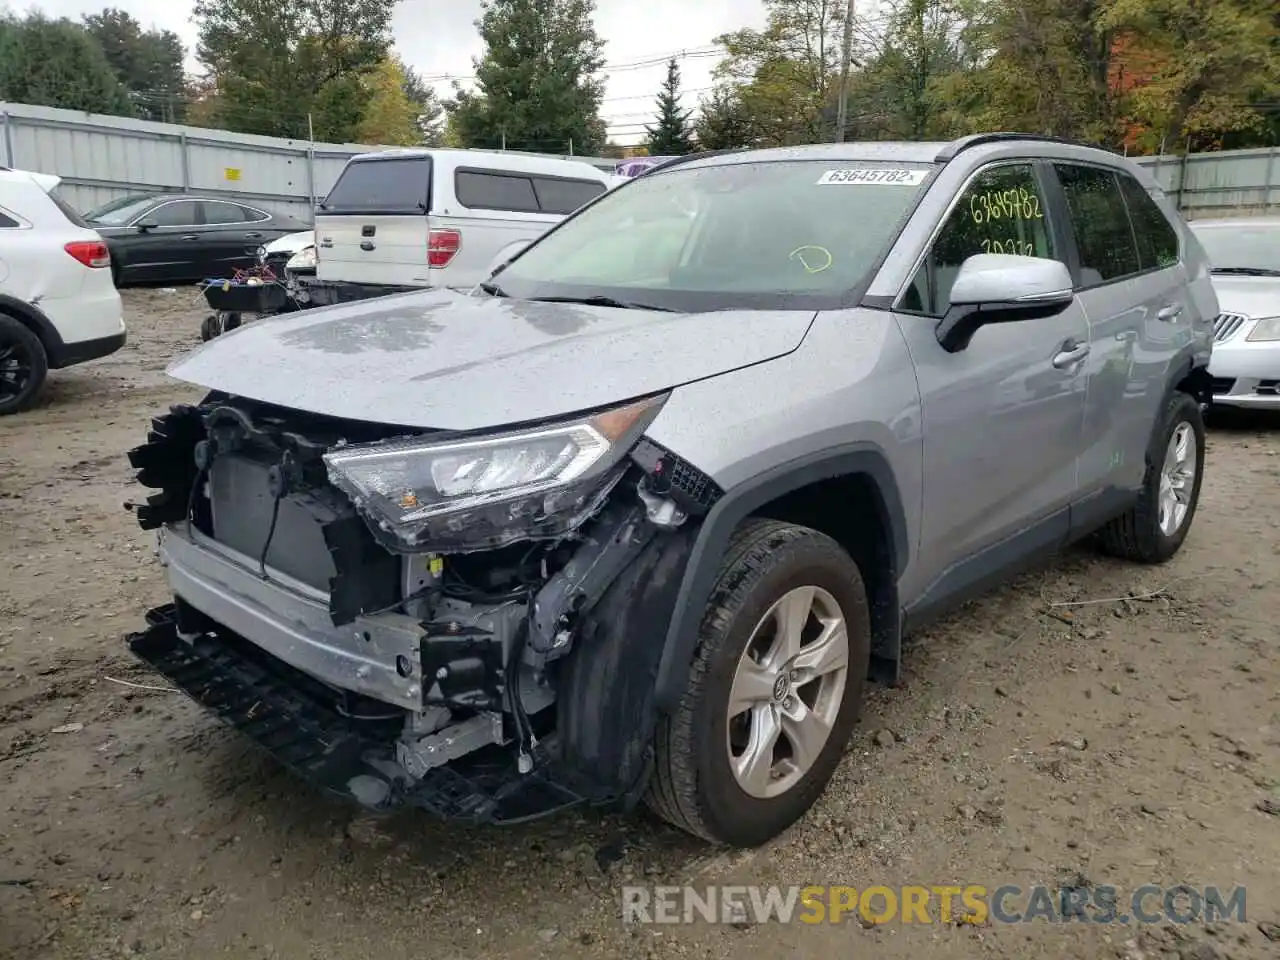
(23, 366)
(1153, 529)
(774, 690)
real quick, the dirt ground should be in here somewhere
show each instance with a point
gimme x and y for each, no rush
(1050, 733)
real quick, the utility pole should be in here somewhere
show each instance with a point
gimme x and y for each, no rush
(846, 53)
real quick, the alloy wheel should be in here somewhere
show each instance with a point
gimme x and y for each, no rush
(787, 691)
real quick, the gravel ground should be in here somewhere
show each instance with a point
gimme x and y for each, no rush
(1046, 734)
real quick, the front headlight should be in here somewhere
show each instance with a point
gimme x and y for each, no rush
(304, 258)
(479, 493)
(1267, 328)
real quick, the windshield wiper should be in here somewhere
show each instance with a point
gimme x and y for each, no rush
(492, 289)
(604, 302)
(1247, 271)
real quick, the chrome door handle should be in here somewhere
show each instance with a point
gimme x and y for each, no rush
(191, 236)
(1071, 354)
(1169, 313)
(252, 236)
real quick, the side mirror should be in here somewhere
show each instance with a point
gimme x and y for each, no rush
(1002, 288)
(145, 225)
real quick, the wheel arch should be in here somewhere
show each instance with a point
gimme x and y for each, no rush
(810, 491)
(33, 318)
(1187, 376)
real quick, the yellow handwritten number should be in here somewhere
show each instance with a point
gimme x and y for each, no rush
(799, 254)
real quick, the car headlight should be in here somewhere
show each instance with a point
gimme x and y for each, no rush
(304, 258)
(1267, 328)
(479, 493)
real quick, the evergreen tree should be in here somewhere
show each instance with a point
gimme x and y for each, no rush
(148, 63)
(673, 134)
(56, 63)
(538, 84)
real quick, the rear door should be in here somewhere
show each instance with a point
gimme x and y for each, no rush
(372, 227)
(497, 210)
(1132, 285)
(232, 236)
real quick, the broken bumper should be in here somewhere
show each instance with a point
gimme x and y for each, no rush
(375, 656)
(298, 722)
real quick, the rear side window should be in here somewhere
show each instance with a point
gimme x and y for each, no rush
(1157, 239)
(396, 186)
(523, 193)
(6, 221)
(495, 191)
(565, 196)
(1108, 249)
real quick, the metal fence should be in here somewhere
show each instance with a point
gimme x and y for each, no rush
(1230, 182)
(100, 158)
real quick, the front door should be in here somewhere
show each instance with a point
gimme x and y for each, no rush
(1002, 418)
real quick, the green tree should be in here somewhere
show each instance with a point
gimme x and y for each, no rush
(897, 93)
(277, 61)
(390, 117)
(723, 122)
(537, 81)
(784, 74)
(148, 63)
(56, 63)
(1044, 69)
(1204, 67)
(673, 134)
(427, 103)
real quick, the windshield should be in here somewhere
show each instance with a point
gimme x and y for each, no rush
(1241, 247)
(119, 211)
(797, 234)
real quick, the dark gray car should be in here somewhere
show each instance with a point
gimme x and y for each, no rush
(638, 517)
(184, 238)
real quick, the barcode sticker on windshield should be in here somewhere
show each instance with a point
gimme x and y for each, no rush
(898, 177)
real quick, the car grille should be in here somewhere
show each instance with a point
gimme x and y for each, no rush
(1227, 324)
(1268, 388)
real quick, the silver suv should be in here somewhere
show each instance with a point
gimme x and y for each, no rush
(638, 517)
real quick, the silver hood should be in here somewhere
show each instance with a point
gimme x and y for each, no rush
(440, 359)
(1251, 296)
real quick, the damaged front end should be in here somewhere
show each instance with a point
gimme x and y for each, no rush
(466, 623)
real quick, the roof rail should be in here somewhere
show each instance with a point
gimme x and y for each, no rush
(956, 147)
(676, 161)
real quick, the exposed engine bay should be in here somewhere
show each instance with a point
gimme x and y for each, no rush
(380, 605)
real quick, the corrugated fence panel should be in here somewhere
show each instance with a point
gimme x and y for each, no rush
(1231, 182)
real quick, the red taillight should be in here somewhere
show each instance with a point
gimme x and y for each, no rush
(442, 245)
(92, 253)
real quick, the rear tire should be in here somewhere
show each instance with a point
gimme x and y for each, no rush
(1153, 529)
(23, 366)
(704, 781)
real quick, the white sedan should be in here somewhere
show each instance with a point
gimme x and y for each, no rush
(1245, 258)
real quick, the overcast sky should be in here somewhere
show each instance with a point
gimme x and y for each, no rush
(438, 38)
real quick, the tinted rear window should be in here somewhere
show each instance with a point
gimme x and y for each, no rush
(494, 191)
(402, 185)
(523, 192)
(565, 196)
